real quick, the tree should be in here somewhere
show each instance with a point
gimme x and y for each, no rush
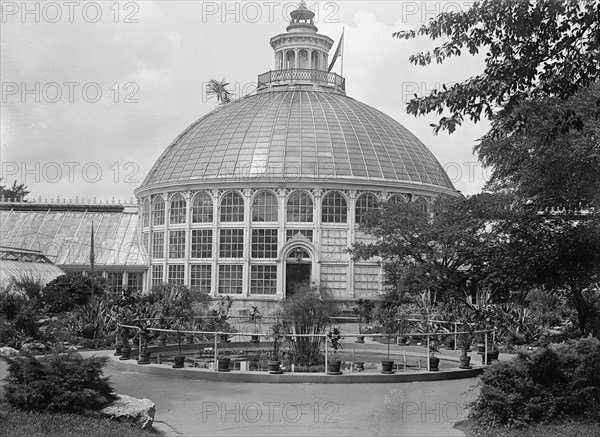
(555, 252)
(535, 49)
(15, 193)
(548, 166)
(219, 90)
(422, 251)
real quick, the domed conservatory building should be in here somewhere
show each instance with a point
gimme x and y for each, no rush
(270, 189)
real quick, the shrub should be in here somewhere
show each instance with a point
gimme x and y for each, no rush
(67, 291)
(18, 318)
(65, 383)
(30, 285)
(551, 383)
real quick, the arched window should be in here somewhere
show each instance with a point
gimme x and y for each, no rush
(158, 211)
(364, 203)
(314, 60)
(146, 213)
(177, 210)
(303, 59)
(202, 208)
(264, 207)
(421, 204)
(232, 208)
(334, 208)
(290, 59)
(397, 198)
(299, 207)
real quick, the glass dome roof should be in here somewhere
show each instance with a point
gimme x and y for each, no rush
(297, 135)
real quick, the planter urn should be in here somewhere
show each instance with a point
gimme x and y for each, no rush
(465, 362)
(491, 356)
(178, 361)
(125, 353)
(387, 366)
(275, 367)
(144, 358)
(434, 364)
(162, 340)
(118, 350)
(360, 366)
(334, 367)
(223, 364)
(360, 339)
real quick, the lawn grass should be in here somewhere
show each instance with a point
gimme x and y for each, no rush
(571, 427)
(15, 423)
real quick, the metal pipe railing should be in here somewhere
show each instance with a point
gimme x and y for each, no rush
(428, 336)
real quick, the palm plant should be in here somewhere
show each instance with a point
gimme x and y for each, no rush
(219, 90)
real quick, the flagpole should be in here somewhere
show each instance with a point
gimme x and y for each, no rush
(342, 53)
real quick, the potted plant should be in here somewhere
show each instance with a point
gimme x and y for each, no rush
(403, 327)
(464, 343)
(144, 354)
(335, 337)
(275, 337)
(363, 312)
(162, 339)
(492, 354)
(434, 362)
(256, 317)
(125, 345)
(178, 360)
(389, 324)
(223, 363)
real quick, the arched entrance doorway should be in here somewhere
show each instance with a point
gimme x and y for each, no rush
(298, 269)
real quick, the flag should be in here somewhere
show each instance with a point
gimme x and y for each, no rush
(92, 256)
(338, 52)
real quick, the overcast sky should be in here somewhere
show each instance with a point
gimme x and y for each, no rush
(93, 92)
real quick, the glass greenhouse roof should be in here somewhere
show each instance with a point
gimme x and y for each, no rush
(297, 134)
(63, 235)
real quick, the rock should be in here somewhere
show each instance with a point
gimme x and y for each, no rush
(34, 348)
(8, 351)
(139, 412)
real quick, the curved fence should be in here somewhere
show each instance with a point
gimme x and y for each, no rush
(207, 346)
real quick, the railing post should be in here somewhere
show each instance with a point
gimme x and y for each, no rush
(326, 354)
(455, 336)
(485, 348)
(428, 362)
(216, 364)
(140, 342)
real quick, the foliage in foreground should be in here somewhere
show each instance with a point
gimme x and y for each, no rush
(65, 383)
(15, 423)
(552, 383)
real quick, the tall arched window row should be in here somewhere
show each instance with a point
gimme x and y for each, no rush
(232, 208)
(264, 207)
(334, 208)
(177, 208)
(146, 213)
(202, 208)
(299, 207)
(364, 203)
(158, 211)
